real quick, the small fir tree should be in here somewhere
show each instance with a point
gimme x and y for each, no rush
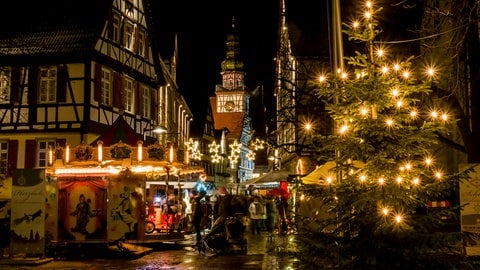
(385, 171)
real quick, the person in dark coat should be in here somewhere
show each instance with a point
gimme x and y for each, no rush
(197, 214)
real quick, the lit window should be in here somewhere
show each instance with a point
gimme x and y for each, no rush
(129, 95)
(106, 87)
(146, 102)
(3, 158)
(42, 151)
(116, 28)
(141, 43)
(5, 82)
(48, 85)
(128, 36)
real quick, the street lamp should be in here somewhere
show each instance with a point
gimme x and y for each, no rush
(156, 130)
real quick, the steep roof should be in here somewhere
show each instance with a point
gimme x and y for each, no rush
(51, 30)
(119, 131)
(232, 121)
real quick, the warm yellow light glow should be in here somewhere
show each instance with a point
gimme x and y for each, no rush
(356, 24)
(329, 180)
(385, 211)
(363, 178)
(322, 78)
(380, 52)
(399, 104)
(100, 151)
(408, 166)
(368, 4)
(416, 181)
(368, 15)
(385, 70)
(431, 72)
(438, 175)
(389, 122)
(50, 156)
(398, 218)
(364, 111)
(428, 161)
(413, 114)
(344, 76)
(140, 151)
(406, 74)
(67, 153)
(87, 171)
(399, 179)
(343, 129)
(444, 117)
(308, 126)
(396, 67)
(434, 114)
(170, 156)
(395, 92)
(381, 180)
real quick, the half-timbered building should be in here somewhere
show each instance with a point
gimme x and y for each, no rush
(70, 69)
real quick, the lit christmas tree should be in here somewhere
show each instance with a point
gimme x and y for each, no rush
(385, 174)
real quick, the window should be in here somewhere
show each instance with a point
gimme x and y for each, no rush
(5, 82)
(48, 85)
(3, 157)
(128, 36)
(116, 28)
(42, 151)
(146, 102)
(129, 95)
(141, 42)
(106, 87)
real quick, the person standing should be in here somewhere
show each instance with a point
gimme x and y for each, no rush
(197, 214)
(272, 214)
(256, 215)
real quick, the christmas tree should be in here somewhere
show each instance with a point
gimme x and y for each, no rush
(385, 172)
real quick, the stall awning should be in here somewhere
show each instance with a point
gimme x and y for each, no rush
(272, 177)
(320, 175)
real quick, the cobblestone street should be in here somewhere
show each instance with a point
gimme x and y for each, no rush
(263, 252)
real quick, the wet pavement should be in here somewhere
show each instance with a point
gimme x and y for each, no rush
(263, 252)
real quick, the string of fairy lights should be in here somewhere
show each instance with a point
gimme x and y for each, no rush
(398, 113)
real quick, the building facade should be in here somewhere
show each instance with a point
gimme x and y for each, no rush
(68, 73)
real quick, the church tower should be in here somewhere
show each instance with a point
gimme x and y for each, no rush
(230, 107)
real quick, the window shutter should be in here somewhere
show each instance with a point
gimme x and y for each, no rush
(12, 156)
(154, 105)
(33, 83)
(30, 153)
(62, 77)
(15, 93)
(97, 95)
(118, 91)
(135, 38)
(138, 99)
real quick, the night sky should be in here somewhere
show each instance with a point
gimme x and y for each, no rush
(202, 28)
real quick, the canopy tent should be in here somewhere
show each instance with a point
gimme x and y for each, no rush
(320, 175)
(270, 178)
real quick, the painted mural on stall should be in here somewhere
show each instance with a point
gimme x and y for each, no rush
(51, 209)
(126, 206)
(82, 208)
(5, 213)
(470, 213)
(27, 226)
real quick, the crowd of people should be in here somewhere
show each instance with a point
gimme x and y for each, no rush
(262, 213)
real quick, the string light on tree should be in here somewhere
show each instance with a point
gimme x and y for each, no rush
(382, 120)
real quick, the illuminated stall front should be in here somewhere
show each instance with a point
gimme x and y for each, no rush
(107, 193)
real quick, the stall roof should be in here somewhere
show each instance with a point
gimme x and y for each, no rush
(119, 131)
(269, 178)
